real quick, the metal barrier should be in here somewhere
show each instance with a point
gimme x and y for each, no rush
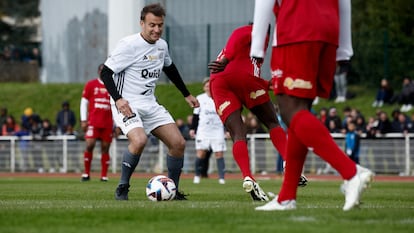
(386, 154)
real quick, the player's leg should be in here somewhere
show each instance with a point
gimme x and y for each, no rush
(266, 113)
(105, 159)
(87, 157)
(200, 156)
(137, 138)
(170, 135)
(220, 166)
(205, 164)
(237, 129)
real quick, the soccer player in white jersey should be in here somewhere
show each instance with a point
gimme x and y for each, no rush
(130, 75)
(209, 133)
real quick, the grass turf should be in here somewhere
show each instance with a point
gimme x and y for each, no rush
(67, 205)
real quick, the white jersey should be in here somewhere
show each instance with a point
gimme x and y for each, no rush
(137, 65)
(209, 123)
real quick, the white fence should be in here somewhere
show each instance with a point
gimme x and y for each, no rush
(389, 154)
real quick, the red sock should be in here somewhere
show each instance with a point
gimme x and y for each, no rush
(241, 155)
(104, 165)
(87, 160)
(313, 134)
(278, 138)
(295, 158)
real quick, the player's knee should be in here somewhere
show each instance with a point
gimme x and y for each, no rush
(177, 149)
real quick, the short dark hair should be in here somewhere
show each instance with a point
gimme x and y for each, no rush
(155, 9)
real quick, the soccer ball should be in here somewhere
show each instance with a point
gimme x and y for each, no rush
(161, 188)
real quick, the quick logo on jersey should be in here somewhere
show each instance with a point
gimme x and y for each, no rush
(151, 74)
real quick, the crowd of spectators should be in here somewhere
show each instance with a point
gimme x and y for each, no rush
(32, 124)
(380, 123)
(405, 97)
(25, 54)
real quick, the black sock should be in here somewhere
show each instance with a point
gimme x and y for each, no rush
(129, 163)
(198, 166)
(220, 167)
(175, 166)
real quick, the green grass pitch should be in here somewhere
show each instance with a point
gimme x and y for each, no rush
(57, 204)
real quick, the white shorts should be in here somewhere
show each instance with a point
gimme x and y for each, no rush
(216, 145)
(148, 117)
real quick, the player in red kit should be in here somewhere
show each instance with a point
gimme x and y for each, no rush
(236, 82)
(303, 65)
(97, 123)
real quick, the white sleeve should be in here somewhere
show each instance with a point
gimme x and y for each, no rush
(84, 109)
(344, 51)
(263, 12)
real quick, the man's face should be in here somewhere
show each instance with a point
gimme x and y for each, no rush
(152, 27)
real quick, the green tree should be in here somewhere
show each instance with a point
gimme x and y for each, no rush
(383, 40)
(17, 33)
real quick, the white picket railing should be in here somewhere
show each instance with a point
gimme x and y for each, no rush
(387, 154)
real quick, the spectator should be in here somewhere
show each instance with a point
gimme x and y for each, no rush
(400, 124)
(65, 120)
(352, 142)
(384, 94)
(360, 124)
(323, 114)
(384, 124)
(406, 96)
(253, 125)
(3, 117)
(333, 121)
(47, 128)
(31, 123)
(347, 113)
(183, 127)
(371, 127)
(10, 128)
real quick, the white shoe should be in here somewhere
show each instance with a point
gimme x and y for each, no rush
(257, 193)
(409, 107)
(275, 205)
(404, 108)
(375, 104)
(196, 179)
(354, 187)
(222, 181)
(340, 99)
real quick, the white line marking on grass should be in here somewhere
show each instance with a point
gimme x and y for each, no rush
(303, 219)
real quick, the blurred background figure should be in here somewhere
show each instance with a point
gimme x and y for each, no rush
(65, 120)
(384, 94)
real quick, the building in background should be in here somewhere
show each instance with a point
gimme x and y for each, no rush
(77, 34)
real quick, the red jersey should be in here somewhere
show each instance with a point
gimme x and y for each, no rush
(310, 20)
(296, 21)
(237, 51)
(238, 84)
(99, 108)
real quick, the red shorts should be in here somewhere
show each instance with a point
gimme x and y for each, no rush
(304, 70)
(105, 134)
(232, 91)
